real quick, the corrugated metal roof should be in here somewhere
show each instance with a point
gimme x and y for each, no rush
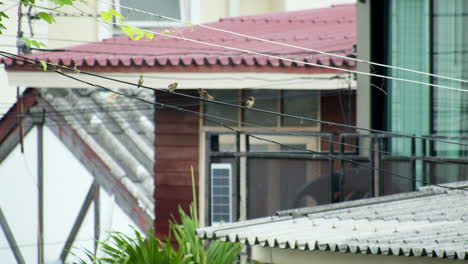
(330, 29)
(430, 222)
(118, 129)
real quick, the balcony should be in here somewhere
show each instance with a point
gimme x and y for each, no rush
(311, 168)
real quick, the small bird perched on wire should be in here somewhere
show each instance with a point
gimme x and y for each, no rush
(140, 81)
(250, 102)
(204, 94)
(172, 87)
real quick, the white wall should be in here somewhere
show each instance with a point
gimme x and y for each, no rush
(8, 43)
(291, 5)
(78, 29)
(66, 183)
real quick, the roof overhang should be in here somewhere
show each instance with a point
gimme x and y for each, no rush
(190, 80)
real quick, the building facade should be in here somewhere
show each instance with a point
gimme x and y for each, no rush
(424, 36)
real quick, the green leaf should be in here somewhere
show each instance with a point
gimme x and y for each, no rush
(150, 35)
(28, 41)
(46, 17)
(128, 30)
(115, 13)
(66, 2)
(44, 65)
(139, 33)
(106, 17)
(35, 43)
(4, 15)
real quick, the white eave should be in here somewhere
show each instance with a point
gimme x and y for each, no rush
(190, 80)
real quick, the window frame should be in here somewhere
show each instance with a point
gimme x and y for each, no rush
(184, 12)
(222, 165)
(279, 119)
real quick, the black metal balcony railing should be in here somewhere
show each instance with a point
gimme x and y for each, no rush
(310, 168)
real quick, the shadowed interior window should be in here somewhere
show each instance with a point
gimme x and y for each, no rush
(163, 7)
(301, 103)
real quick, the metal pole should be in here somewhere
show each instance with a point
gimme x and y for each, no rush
(97, 218)
(414, 165)
(11, 239)
(342, 168)
(79, 220)
(40, 186)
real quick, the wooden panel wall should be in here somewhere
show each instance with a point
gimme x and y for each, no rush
(176, 150)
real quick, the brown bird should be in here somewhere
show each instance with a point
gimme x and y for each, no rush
(172, 87)
(250, 102)
(140, 81)
(204, 94)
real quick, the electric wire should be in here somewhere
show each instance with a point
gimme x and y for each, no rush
(296, 61)
(298, 47)
(206, 118)
(313, 135)
(45, 244)
(26, 59)
(293, 46)
(9, 7)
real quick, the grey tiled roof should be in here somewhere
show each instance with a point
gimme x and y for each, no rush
(430, 222)
(120, 130)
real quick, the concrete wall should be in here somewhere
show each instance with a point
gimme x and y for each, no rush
(363, 53)
(212, 10)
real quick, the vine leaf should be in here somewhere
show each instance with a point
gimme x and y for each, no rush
(46, 17)
(107, 17)
(44, 65)
(150, 35)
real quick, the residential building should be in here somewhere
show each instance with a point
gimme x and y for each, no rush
(424, 36)
(80, 24)
(427, 226)
(254, 168)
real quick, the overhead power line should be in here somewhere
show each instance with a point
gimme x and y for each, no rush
(207, 117)
(29, 60)
(300, 62)
(292, 46)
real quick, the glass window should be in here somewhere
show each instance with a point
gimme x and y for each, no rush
(170, 8)
(408, 47)
(450, 108)
(300, 103)
(281, 184)
(294, 102)
(226, 112)
(266, 100)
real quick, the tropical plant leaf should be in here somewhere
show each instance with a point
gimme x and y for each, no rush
(145, 249)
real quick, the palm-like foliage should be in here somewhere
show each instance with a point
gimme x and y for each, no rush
(140, 249)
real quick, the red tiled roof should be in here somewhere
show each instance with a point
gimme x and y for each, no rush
(328, 29)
